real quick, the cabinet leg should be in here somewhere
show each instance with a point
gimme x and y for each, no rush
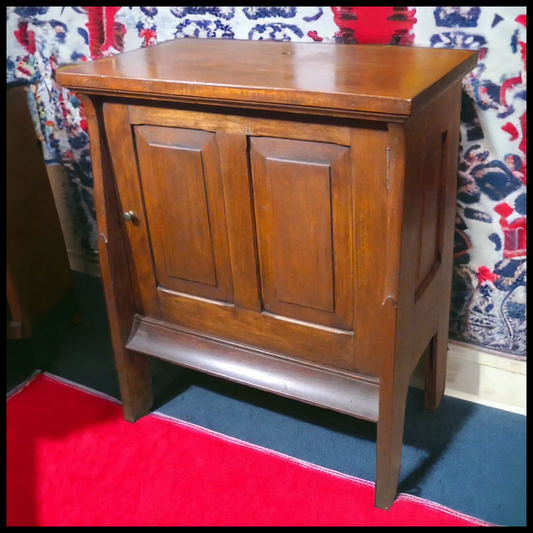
(134, 376)
(436, 356)
(389, 444)
(135, 383)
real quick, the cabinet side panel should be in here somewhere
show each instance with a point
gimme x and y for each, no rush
(433, 186)
(432, 140)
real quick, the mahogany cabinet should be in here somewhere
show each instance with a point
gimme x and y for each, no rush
(280, 215)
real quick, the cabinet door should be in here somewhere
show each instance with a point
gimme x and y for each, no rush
(302, 198)
(184, 202)
(239, 235)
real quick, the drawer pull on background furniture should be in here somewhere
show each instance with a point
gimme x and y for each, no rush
(129, 216)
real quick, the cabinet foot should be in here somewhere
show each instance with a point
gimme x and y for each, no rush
(135, 382)
(389, 444)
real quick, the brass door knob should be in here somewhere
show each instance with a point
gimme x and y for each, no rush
(129, 216)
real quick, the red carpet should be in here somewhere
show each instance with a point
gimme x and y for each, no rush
(73, 461)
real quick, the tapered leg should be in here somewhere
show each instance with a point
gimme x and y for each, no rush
(389, 443)
(133, 369)
(135, 384)
(436, 357)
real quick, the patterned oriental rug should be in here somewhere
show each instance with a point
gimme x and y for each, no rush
(72, 460)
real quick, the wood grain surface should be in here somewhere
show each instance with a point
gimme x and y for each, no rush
(374, 79)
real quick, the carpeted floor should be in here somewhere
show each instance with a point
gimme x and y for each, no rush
(465, 456)
(72, 460)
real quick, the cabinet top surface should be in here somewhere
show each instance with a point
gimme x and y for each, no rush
(370, 79)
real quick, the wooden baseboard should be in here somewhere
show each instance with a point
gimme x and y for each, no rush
(80, 262)
(485, 378)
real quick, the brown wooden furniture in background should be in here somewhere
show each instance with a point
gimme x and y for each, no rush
(38, 271)
(280, 215)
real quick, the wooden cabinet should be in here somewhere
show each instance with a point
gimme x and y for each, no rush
(277, 227)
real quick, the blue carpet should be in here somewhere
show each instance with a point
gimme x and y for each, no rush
(465, 456)
(468, 457)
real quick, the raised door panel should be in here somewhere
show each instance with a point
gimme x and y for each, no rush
(302, 193)
(184, 200)
(433, 198)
